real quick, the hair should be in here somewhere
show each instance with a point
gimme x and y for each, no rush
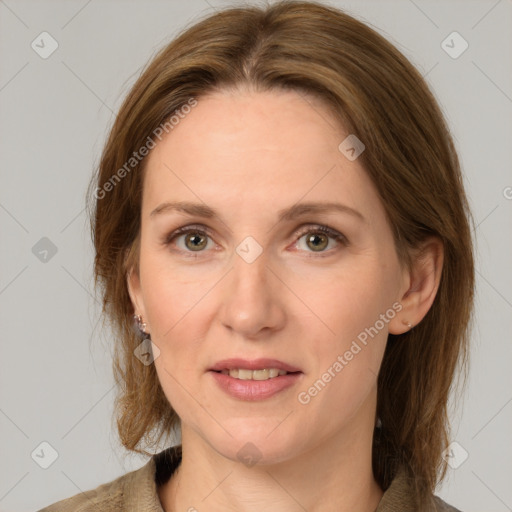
(375, 93)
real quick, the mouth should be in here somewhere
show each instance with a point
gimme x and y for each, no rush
(254, 380)
(245, 374)
(255, 369)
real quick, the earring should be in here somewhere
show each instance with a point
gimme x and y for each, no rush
(407, 323)
(140, 324)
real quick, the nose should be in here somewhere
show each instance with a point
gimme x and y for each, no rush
(253, 299)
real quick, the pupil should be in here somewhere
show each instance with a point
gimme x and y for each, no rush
(196, 242)
(314, 240)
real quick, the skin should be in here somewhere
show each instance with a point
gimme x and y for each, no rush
(248, 155)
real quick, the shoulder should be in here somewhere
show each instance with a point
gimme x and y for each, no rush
(108, 496)
(105, 497)
(441, 506)
(400, 497)
(136, 490)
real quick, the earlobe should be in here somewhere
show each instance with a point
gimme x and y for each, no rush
(408, 324)
(423, 281)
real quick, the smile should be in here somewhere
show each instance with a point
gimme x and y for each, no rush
(243, 374)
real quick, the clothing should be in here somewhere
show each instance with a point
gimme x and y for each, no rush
(137, 491)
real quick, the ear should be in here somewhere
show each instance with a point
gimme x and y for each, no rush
(135, 292)
(421, 283)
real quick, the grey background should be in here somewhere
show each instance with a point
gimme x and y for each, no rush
(55, 381)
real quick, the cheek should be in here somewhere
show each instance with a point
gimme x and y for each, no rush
(171, 296)
(344, 379)
(349, 301)
(357, 308)
(177, 322)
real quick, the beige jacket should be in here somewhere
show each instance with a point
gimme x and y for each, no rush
(137, 491)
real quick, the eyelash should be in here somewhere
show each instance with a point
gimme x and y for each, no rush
(313, 229)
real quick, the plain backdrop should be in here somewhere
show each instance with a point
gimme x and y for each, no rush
(56, 384)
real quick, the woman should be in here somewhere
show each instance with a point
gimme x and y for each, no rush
(280, 207)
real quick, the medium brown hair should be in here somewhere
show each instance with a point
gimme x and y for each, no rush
(376, 94)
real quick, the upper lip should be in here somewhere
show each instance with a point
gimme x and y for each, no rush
(254, 364)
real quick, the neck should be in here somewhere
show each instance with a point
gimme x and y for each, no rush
(336, 475)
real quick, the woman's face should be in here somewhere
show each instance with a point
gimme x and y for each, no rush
(255, 279)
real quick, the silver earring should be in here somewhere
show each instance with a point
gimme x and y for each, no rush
(140, 324)
(407, 323)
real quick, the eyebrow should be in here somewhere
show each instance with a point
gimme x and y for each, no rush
(286, 214)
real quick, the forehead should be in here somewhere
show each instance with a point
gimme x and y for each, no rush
(261, 148)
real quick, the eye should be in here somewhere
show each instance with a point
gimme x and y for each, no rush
(317, 238)
(193, 239)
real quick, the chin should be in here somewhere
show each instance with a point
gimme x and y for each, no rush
(257, 444)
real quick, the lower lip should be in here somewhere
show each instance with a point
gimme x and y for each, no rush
(252, 390)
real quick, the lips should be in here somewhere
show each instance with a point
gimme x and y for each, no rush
(256, 379)
(255, 364)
